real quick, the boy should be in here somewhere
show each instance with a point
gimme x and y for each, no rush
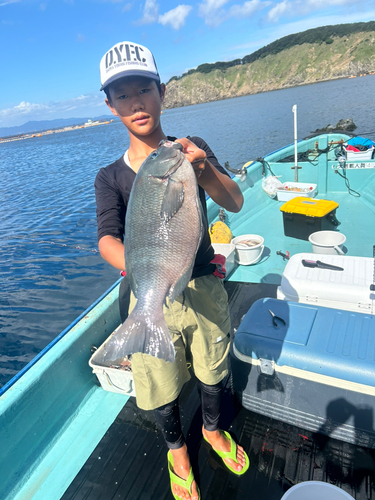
(198, 319)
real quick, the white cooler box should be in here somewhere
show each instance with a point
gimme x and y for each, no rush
(348, 289)
(312, 367)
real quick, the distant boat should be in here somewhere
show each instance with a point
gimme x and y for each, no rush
(90, 123)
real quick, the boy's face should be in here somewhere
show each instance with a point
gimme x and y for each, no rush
(137, 102)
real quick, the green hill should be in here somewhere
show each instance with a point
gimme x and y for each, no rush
(315, 55)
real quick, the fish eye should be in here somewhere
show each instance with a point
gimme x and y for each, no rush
(154, 155)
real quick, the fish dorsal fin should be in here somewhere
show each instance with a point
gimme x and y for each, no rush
(172, 200)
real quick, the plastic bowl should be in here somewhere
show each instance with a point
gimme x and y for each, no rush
(249, 248)
(316, 490)
(327, 242)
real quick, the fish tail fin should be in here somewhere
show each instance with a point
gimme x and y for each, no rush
(141, 333)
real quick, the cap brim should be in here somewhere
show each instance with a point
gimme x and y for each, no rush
(124, 74)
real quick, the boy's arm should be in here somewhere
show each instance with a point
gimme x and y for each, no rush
(111, 218)
(113, 251)
(219, 186)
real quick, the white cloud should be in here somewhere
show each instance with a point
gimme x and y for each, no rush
(247, 9)
(82, 105)
(208, 7)
(175, 17)
(23, 108)
(127, 7)
(302, 8)
(214, 13)
(3, 4)
(150, 12)
(279, 10)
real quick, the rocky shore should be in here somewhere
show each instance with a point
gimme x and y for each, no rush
(350, 57)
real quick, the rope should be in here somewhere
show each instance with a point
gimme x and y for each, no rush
(304, 155)
(265, 165)
(351, 191)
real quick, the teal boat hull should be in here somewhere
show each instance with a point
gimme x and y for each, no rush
(53, 414)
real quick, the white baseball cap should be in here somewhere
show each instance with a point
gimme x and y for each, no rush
(127, 59)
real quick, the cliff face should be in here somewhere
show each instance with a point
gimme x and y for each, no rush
(302, 64)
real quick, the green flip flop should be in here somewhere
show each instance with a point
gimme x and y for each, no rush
(178, 480)
(232, 454)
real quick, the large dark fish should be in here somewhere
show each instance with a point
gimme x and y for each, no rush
(163, 230)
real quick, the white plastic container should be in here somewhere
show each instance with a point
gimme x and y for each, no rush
(348, 289)
(112, 379)
(316, 490)
(228, 250)
(327, 242)
(360, 155)
(306, 190)
(249, 248)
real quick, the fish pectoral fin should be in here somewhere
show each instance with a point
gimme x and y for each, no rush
(130, 278)
(178, 287)
(172, 200)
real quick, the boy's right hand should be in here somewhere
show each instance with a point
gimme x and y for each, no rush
(195, 155)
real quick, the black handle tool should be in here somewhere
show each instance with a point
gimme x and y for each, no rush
(276, 319)
(321, 265)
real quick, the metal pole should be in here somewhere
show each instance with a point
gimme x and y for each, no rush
(294, 109)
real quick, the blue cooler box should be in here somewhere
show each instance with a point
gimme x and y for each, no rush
(316, 371)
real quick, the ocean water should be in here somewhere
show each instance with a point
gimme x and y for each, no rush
(51, 270)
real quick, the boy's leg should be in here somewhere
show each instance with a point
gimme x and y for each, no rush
(168, 420)
(211, 401)
(209, 346)
(206, 300)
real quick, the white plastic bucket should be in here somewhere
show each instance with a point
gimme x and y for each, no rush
(327, 242)
(316, 490)
(249, 248)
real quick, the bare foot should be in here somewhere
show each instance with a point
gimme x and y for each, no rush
(219, 442)
(181, 467)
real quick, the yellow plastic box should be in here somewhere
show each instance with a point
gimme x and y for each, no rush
(303, 216)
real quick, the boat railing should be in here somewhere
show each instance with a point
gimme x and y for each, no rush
(55, 414)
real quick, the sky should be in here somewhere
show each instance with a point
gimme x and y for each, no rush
(50, 50)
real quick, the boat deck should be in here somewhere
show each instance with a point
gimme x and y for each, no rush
(130, 461)
(356, 217)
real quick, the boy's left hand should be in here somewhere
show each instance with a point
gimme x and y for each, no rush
(196, 156)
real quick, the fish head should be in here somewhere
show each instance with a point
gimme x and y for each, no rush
(164, 160)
